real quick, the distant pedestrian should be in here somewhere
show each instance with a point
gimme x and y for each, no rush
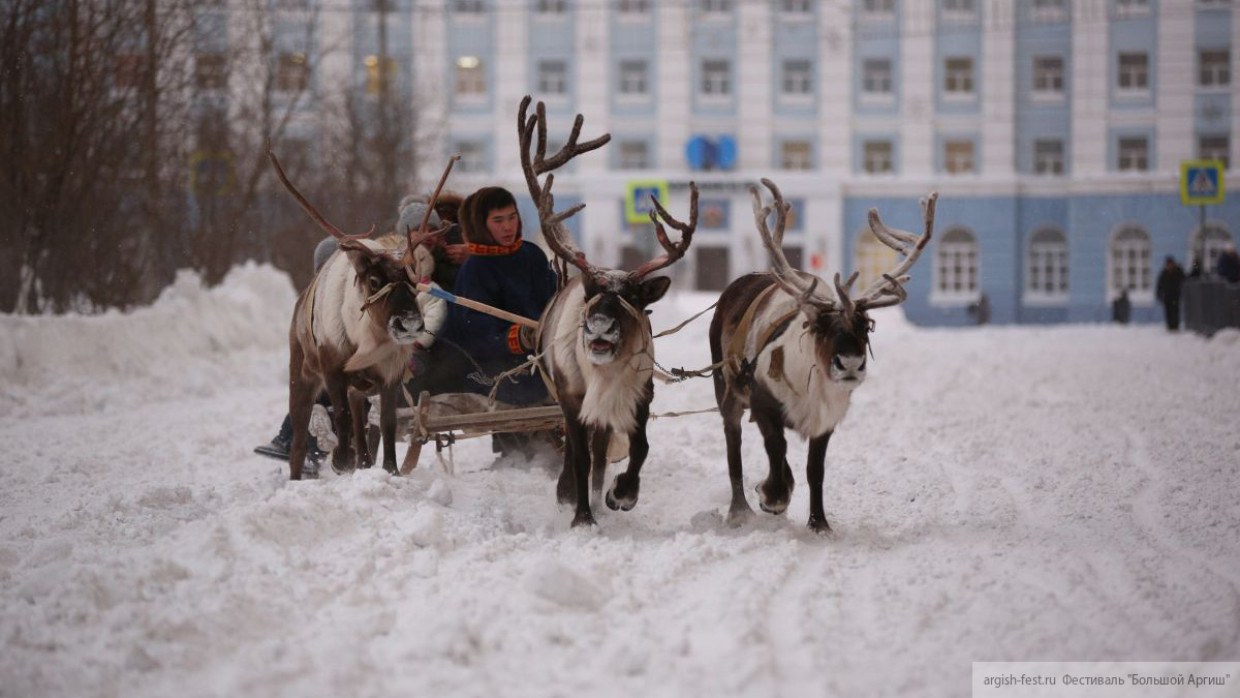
(980, 311)
(1228, 265)
(1170, 282)
(1121, 308)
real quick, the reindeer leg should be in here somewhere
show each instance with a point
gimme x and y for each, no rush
(357, 410)
(814, 469)
(337, 390)
(738, 510)
(627, 485)
(387, 424)
(775, 491)
(599, 440)
(578, 440)
(566, 486)
(301, 394)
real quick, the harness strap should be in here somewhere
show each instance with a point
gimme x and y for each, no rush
(311, 292)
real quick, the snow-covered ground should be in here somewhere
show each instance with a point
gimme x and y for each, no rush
(1008, 493)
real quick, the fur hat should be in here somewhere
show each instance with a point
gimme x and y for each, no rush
(409, 214)
(327, 246)
(475, 209)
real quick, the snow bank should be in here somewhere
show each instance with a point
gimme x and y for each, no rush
(188, 342)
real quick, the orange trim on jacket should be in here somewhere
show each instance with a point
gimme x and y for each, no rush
(495, 250)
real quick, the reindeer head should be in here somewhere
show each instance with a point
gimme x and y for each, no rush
(386, 277)
(615, 310)
(840, 325)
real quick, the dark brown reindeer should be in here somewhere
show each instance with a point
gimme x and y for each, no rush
(353, 332)
(595, 338)
(793, 355)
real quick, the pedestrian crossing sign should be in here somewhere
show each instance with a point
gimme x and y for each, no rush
(1201, 182)
(637, 206)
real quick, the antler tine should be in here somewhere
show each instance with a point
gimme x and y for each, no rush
(423, 235)
(889, 290)
(551, 222)
(674, 251)
(306, 206)
(787, 277)
(841, 294)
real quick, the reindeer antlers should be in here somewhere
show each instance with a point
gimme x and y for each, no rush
(890, 289)
(788, 278)
(674, 251)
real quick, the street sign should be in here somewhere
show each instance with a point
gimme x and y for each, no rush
(637, 206)
(1201, 182)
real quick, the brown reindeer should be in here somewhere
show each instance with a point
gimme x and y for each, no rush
(353, 331)
(595, 338)
(793, 355)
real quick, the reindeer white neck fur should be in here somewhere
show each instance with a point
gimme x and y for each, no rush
(611, 391)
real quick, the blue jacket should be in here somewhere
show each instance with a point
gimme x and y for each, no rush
(520, 282)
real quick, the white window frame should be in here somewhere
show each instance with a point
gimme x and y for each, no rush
(877, 73)
(1217, 239)
(715, 83)
(959, 79)
(1217, 75)
(1046, 268)
(796, 73)
(796, 155)
(1048, 161)
(957, 269)
(553, 78)
(874, 156)
(473, 156)
(872, 259)
(628, 156)
(1132, 154)
(1137, 76)
(1212, 153)
(1048, 78)
(959, 156)
(633, 73)
(959, 10)
(1130, 265)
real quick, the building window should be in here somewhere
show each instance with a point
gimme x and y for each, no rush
(471, 79)
(468, 7)
(1049, 10)
(958, 157)
(878, 7)
(1046, 277)
(715, 7)
(873, 259)
(796, 155)
(1134, 74)
(633, 8)
(796, 7)
(958, 77)
(1214, 68)
(876, 77)
(211, 71)
(633, 78)
(378, 80)
(553, 77)
(1132, 7)
(955, 267)
(957, 9)
(1048, 157)
(634, 155)
(716, 78)
(1134, 154)
(473, 156)
(1216, 147)
(293, 72)
(1208, 247)
(798, 78)
(551, 7)
(878, 157)
(1129, 266)
(1048, 75)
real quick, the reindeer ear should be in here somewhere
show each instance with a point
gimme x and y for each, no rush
(653, 289)
(360, 256)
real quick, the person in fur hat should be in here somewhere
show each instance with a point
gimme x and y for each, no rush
(505, 272)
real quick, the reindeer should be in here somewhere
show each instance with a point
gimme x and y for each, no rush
(793, 356)
(353, 331)
(594, 336)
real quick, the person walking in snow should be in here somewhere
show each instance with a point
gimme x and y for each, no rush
(1170, 282)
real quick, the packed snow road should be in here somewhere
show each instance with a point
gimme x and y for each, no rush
(1066, 493)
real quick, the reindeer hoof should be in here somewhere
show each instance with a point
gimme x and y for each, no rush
(621, 502)
(739, 515)
(819, 526)
(583, 519)
(390, 466)
(772, 504)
